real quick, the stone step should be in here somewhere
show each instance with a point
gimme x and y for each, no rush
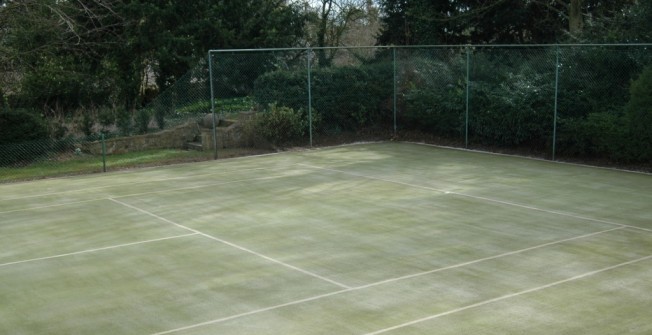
(194, 146)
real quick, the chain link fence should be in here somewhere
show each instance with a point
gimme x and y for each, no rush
(548, 101)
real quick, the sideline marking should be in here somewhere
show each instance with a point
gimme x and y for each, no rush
(231, 244)
(382, 282)
(152, 192)
(502, 202)
(96, 249)
(511, 295)
(132, 183)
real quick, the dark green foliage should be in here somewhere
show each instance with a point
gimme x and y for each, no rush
(431, 92)
(595, 79)
(284, 125)
(20, 125)
(283, 87)
(86, 122)
(106, 117)
(602, 134)
(143, 117)
(124, 122)
(22, 136)
(348, 98)
(513, 110)
(639, 114)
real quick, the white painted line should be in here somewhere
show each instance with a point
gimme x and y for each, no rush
(145, 193)
(95, 250)
(507, 203)
(52, 206)
(132, 183)
(529, 158)
(511, 295)
(199, 186)
(227, 318)
(509, 253)
(312, 274)
(382, 282)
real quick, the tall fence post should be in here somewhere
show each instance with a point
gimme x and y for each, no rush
(395, 94)
(210, 80)
(468, 89)
(309, 64)
(554, 121)
(103, 152)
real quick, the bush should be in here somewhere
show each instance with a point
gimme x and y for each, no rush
(639, 114)
(142, 120)
(348, 98)
(20, 126)
(284, 125)
(433, 97)
(23, 138)
(516, 111)
(124, 122)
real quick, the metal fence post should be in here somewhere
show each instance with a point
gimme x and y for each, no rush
(554, 122)
(309, 64)
(210, 80)
(395, 84)
(103, 152)
(468, 89)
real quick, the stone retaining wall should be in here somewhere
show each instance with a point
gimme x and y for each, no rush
(173, 138)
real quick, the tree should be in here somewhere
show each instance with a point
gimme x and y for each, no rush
(499, 21)
(59, 55)
(330, 20)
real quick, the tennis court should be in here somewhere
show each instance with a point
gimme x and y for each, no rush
(376, 238)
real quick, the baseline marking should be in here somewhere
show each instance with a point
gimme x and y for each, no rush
(511, 295)
(138, 194)
(95, 250)
(231, 244)
(134, 183)
(502, 202)
(391, 280)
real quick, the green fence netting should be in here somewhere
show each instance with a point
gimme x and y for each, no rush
(548, 101)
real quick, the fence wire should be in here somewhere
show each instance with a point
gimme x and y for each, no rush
(549, 101)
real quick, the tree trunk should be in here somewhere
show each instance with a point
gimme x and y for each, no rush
(575, 19)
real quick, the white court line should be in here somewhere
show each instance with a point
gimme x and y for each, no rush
(132, 183)
(382, 282)
(52, 206)
(511, 295)
(239, 247)
(530, 158)
(144, 193)
(96, 249)
(507, 203)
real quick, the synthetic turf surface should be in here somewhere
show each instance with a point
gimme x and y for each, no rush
(390, 238)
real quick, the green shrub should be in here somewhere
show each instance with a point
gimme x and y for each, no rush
(284, 125)
(20, 125)
(142, 120)
(348, 98)
(639, 114)
(517, 110)
(433, 96)
(24, 137)
(124, 122)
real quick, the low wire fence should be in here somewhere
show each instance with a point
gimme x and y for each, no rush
(551, 101)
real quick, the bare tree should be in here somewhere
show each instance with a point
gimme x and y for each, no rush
(330, 20)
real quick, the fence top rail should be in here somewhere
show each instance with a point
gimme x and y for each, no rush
(441, 46)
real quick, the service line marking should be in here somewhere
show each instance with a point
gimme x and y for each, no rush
(382, 282)
(96, 249)
(231, 244)
(511, 295)
(502, 202)
(144, 193)
(130, 183)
